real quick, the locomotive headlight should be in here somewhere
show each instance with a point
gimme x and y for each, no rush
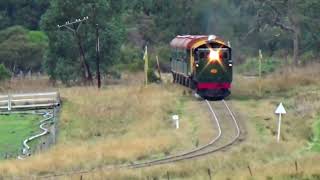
(214, 56)
(214, 71)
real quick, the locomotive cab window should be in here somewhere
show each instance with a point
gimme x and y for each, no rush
(213, 54)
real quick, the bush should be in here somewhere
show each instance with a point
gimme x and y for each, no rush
(307, 57)
(251, 66)
(152, 77)
(4, 73)
(131, 59)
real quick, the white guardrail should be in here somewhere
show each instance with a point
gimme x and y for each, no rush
(29, 101)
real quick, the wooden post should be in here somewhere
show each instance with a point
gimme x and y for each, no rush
(98, 56)
(146, 65)
(260, 72)
(9, 102)
(159, 70)
(250, 170)
(296, 165)
(209, 173)
(168, 175)
(58, 99)
(80, 177)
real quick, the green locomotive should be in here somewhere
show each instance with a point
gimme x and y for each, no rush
(203, 63)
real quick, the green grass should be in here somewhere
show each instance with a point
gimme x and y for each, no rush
(13, 130)
(316, 136)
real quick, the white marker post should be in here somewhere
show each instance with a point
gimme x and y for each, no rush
(175, 119)
(280, 110)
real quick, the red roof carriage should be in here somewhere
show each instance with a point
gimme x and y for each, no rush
(188, 41)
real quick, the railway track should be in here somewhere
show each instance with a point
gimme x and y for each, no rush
(225, 137)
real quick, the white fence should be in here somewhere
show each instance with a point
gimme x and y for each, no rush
(29, 101)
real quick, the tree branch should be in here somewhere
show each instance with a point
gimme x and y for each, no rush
(283, 26)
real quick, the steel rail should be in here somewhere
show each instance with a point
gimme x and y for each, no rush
(194, 150)
(193, 154)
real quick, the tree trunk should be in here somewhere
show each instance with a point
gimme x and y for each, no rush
(98, 56)
(294, 21)
(296, 47)
(85, 65)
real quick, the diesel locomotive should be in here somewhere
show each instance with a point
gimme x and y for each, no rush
(203, 63)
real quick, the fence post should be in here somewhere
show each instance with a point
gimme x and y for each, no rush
(250, 170)
(209, 173)
(296, 165)
(9, 102)
(260, 73)
(58, 98)
(168, 175)
(159, 69)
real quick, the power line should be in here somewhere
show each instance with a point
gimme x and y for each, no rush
(77, 21)
(71, 26)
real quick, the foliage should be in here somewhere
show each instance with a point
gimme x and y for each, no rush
(268, 65)
(131, 59)
(307, 57)
(22, 50)
(64, 46)
(24, 13)
(152, 77)
(4, 73)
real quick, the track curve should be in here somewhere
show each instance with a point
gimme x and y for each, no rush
(203, 150)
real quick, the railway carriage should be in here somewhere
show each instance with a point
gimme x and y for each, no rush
(202, 63)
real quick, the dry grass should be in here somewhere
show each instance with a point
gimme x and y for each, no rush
(34, 84)
(283, 80)
(130, 123)
(118, 124)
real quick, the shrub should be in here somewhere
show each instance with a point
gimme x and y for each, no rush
(307, 57)
(4, 73)
(251, 66)
(152, 77)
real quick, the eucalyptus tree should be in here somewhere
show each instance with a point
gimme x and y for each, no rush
(298, 18)
(21, 49)
(63, 60)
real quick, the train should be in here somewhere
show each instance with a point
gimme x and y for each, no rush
(202, 63)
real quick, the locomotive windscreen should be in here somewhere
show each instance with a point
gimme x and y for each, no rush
(213, 54)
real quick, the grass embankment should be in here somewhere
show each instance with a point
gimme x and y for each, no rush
(119, 124)
(14, 129)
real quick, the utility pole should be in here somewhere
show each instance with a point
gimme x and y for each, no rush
(98, 56)
(75, 30)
